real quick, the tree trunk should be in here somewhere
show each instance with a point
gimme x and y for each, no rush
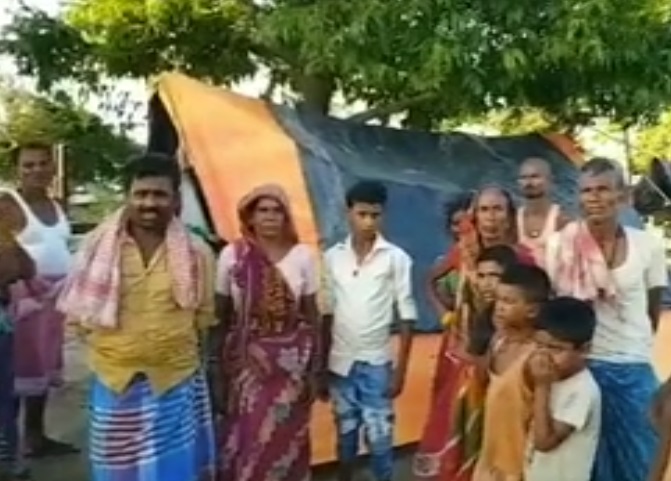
(418, 118)
(384, 112)
(316, 92)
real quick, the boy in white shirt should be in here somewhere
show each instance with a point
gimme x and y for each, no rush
(370, 287)
(567, 401)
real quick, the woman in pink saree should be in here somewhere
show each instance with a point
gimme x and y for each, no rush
(267, 285)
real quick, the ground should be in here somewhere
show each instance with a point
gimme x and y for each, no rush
(67, 417)
(67, 421)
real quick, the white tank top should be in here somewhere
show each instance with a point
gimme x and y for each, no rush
(537, 244)
(46, 244)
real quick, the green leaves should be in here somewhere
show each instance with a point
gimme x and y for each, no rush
(567, 58)
(95, 150)
(47, 48)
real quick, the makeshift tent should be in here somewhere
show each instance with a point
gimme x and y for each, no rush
(232, 143)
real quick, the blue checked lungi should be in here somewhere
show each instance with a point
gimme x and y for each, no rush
(139, 436)
(361, 401)
(628, 441)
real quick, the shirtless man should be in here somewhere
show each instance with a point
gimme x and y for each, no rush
(539, 216)
(42, 229)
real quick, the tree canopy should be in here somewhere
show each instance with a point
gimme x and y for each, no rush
(94, 150)
(433, 59)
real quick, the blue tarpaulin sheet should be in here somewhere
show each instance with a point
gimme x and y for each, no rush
(421, 170)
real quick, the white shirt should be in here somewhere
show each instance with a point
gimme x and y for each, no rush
(575, 401)
(47, 244)
(624, 330)
(365, 300)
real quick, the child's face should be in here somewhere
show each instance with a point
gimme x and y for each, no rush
(455, 223)
(566, 357)
(513, 309)
(488, 274)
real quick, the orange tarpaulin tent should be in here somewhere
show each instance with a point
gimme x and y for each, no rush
(233, 143)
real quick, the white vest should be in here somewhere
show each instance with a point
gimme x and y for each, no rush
(46, 244)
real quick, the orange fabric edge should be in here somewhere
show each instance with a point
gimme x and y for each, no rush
(235, 144)
(568, 146)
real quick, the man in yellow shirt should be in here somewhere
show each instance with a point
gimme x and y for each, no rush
(141, 292)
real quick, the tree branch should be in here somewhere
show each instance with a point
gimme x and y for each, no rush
(389, 109)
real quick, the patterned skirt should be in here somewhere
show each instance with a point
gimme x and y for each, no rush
(38, 336)
(139, 436)
(450, 444)
(267, 434)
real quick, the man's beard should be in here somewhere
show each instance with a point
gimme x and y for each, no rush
(533, 195)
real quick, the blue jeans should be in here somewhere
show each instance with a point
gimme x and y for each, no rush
(361, 400)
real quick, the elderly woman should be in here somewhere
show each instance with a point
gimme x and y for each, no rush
(267, 285)
(450, 444)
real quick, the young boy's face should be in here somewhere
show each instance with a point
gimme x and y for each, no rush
(512, 308)
(567, 358)
(365, 220)
(488, 274)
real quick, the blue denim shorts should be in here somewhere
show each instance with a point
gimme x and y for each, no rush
(361, 403)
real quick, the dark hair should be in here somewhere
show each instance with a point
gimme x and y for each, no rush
(366, 192)
(602, 165)
(15, 152)
(503, 255)
(459, 204)
(568, 319)
(152, 165)
(531, 280)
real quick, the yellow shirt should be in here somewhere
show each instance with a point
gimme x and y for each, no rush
(155, 337)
